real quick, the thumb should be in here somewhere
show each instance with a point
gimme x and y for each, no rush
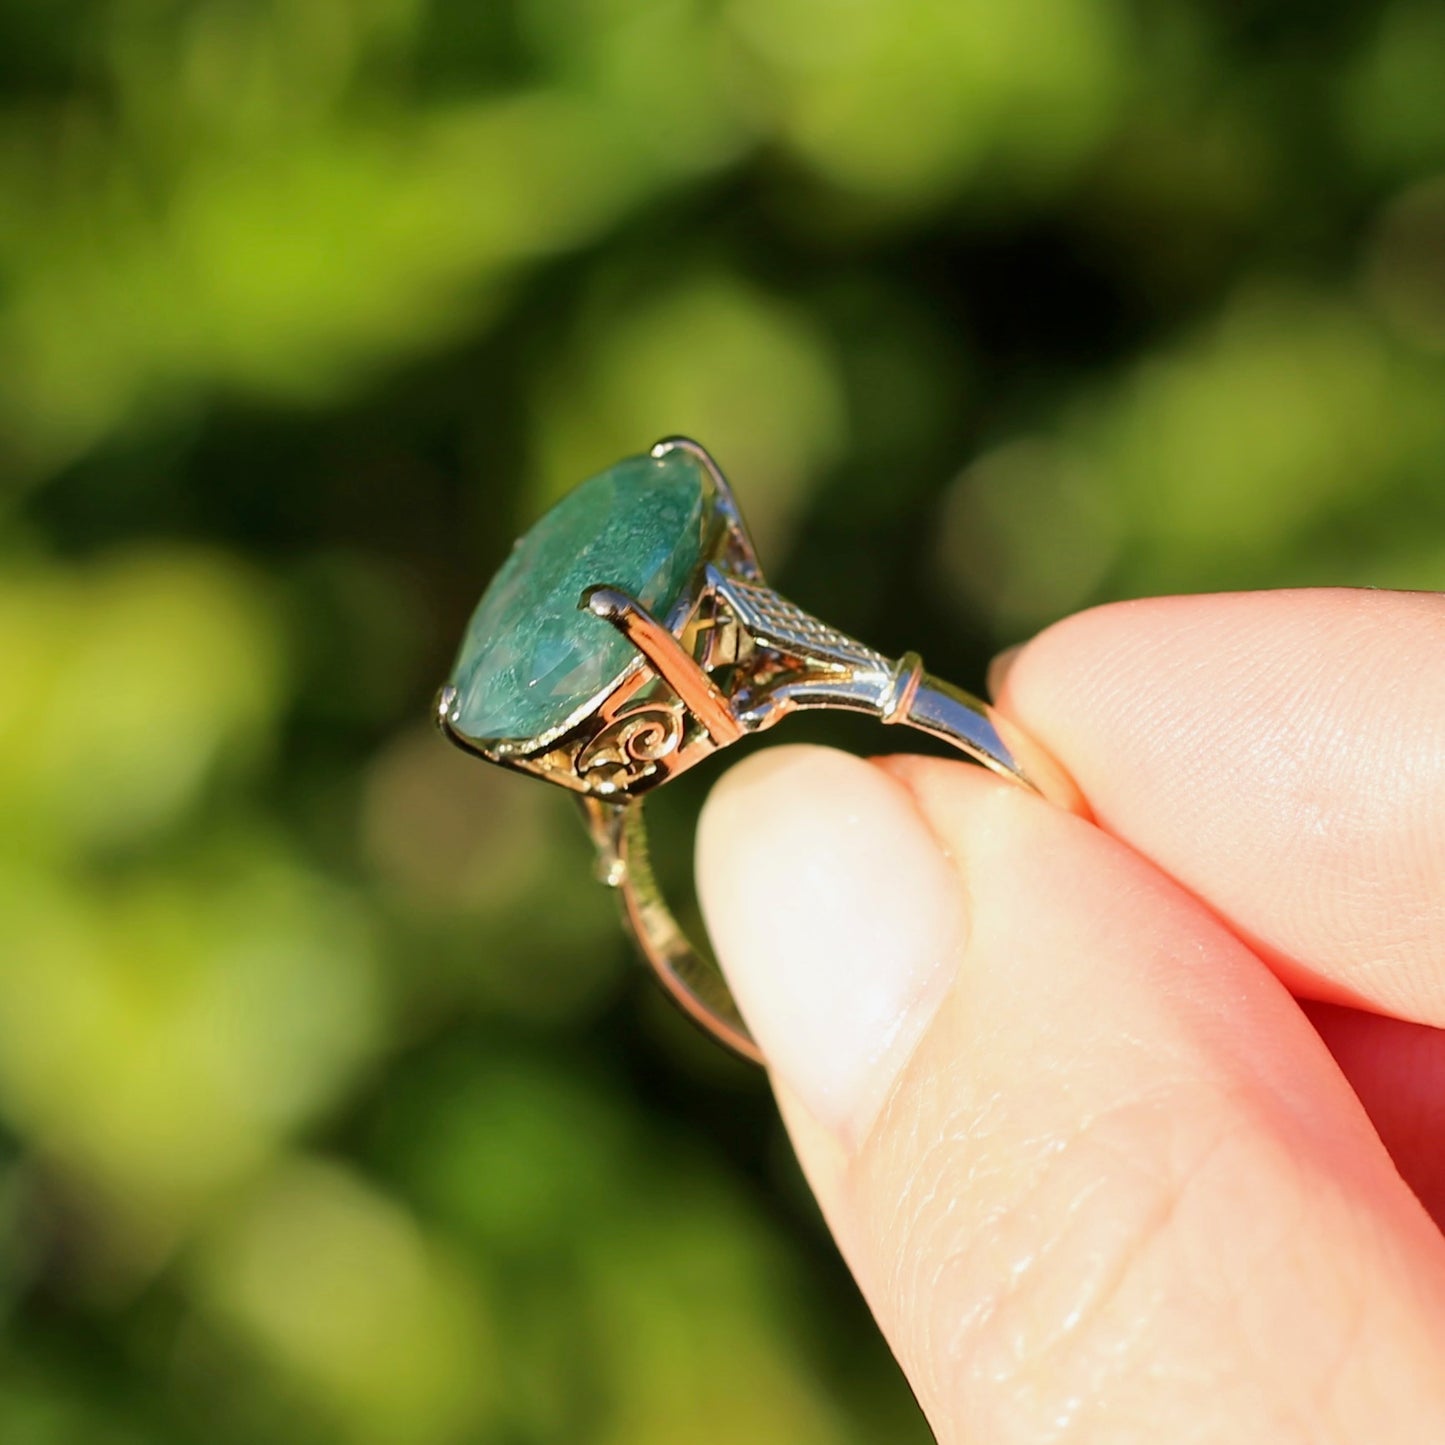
(1094, 1172)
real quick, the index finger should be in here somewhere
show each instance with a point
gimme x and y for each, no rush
(1280, 754)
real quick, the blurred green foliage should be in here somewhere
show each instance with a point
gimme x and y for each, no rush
(332, 1107)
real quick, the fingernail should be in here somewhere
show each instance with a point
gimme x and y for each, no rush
(837, 919)
(1000, 667)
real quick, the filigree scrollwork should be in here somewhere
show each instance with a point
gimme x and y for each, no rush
(630, 747)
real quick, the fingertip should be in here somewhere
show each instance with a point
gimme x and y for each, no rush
(1276, 753)
(999, 669)
(836, 917)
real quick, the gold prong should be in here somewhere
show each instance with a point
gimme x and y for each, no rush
(446, 701)
(700, 695)
(744, 557)
(660, 449)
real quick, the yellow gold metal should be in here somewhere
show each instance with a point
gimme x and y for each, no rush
(731, 658)
(676, 666)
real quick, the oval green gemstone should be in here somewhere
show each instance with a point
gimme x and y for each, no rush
(530, 658)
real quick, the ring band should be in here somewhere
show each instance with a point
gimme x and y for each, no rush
(729, 657)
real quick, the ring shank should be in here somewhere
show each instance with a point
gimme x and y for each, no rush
(693, 979)
(968, 723)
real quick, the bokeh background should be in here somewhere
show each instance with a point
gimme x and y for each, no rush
(334, 1107)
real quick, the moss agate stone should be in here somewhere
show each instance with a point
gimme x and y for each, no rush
(530, 658)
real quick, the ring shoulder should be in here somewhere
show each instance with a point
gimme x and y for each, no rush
(781, 625)
(786, 659)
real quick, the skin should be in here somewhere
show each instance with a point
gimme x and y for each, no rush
(1130, 1128)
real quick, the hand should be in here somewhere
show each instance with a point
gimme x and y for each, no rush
(1110, 1118)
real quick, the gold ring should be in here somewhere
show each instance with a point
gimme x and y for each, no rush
(630, 634)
